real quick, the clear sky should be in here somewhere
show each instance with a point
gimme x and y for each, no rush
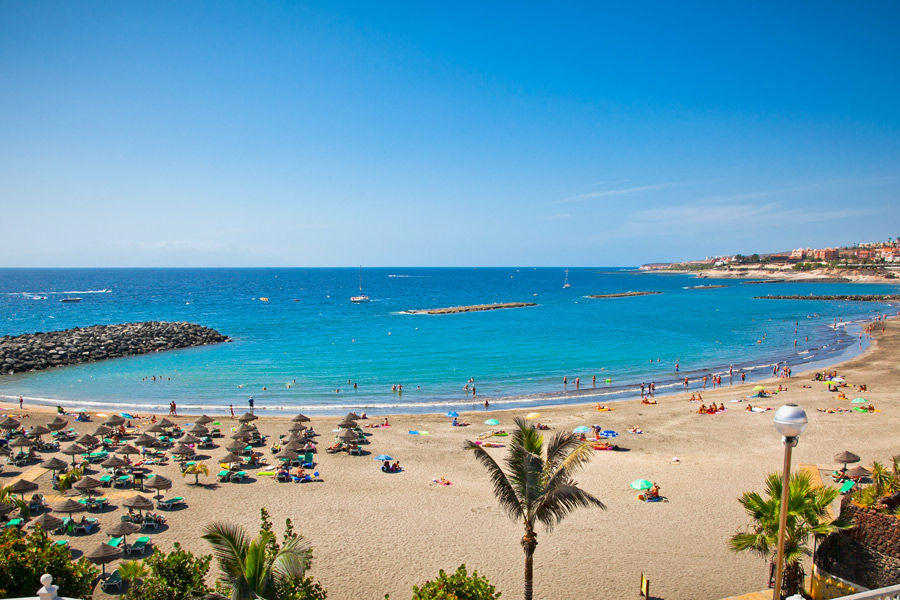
(431, 134)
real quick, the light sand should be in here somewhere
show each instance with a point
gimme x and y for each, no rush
(376, 533)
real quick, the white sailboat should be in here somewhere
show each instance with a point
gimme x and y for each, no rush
(362, 297)
(566, 284)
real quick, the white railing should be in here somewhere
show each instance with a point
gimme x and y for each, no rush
(48, 592)
(888, 593)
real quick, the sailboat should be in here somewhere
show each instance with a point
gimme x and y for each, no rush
(362, 297)
(566, 284)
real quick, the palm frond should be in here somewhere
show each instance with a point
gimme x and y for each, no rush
(293, 559)
(229, 543)
(503, 489)
(560, 501)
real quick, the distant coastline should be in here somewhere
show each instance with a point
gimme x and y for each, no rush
(463, 309)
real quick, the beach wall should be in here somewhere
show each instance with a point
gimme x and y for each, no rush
(36, 351)
(869, 553)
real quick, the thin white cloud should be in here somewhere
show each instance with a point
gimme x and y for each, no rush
(619, 192)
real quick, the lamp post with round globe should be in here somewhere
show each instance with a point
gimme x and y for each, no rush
(790, 422)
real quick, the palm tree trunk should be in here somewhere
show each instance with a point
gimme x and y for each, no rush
(529, 543)
(196, 478)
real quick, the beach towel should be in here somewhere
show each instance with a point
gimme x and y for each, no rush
(444, 482)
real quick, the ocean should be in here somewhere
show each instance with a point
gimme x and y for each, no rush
(305, 347)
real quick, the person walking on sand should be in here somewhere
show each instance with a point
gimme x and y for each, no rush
(20, 402)
(251, 402)
(231, 410)
(686, 385)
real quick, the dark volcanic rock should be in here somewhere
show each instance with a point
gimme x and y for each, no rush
(36, 351)
(843, 298)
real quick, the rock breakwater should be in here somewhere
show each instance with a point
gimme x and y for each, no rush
(624, 295)
(36, 351)
(461, 309)
(840, 298)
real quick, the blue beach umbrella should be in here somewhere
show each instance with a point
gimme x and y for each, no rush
(452, 413)
(383, 457)
(582, 429)
(492, 422)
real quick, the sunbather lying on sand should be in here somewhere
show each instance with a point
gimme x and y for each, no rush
(838, 409)
(442, 481)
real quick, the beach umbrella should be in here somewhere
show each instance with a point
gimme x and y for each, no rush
(123, 528)
(582, 429)
(641, 484)
(351, 416)
(113, 462)
(127, 449)
(57, 424)
(102, 554)
(286, 454)
(47, 522)
(231, 457)
(114, 421)
(245, 429)
(533, 415)
(203, 420)
(492, 422)
(181, 450)
(383, 457)
(858, 472)
(22, 486)
(347, 424)
(54, 464)
(297, 427)
(155, 428)
(5, 450)
(144, 440)
(73, 450)
(846, 457)
(103, 430)
(80, 410)
(453, 414)
(87, 440)
(138, 503)
(758, 388)
(38, 431)
(9, 423)
(859, 401)
(166, 424)
(294, 445)
(87, 484)
(69, 506)
(347, 436)
(300, 418)
(187, 439)
(198, 429)
(6, 508)
(236, 446)
(158, 483)
(21, 442)
(247, 417)
(240, 436)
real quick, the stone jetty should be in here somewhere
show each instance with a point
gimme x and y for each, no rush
(36, 351)
(840, 298)
(624, 295)
(462, 309)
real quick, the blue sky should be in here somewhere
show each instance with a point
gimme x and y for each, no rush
(405, 134)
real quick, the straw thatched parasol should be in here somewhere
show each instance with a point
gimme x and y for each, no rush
(54, 464)
(203, 420)
(69, 506)
(198, 429)
(57, 424)
(21, 442)
(236, 446)
(47, 522)
(6, 508)
(351, 416)
(300, 418)
(846, 457)
(247, 417)
(158, 483)
(187, 439)
(144, 440)
(73, 450)
(103, 430)
(127, 449)
(292, 445)
(114, 421)
(856, 472)
(38, 431)
(166, 424)
(245, 429)
(113, 462)
(87, 440)
(155, 428)
(22, 486)
(123, 528)
(347, 424)
(9, 423)
(231, 457)
(138, 503)
(181, 450)
(347, 435)
(297, 427)
(87, 484)
(286, 454)
(102, 554)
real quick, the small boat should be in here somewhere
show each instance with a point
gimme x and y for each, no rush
(566, 284)
(362, 297)
(70, 300)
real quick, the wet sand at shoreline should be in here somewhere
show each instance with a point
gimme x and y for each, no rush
(375, 533)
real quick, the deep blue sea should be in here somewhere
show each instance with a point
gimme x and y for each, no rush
(308, 340)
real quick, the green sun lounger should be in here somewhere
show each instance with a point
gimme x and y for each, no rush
(168, 504)
(113, 581)
(115, 542)
(17, 523)
(106, 480)
(140, 545)
(847, 486)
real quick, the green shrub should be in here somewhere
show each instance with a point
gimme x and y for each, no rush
(177, 575)
(24, 559)
(459, 586)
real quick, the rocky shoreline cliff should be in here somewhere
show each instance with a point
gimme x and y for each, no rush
(36, 351)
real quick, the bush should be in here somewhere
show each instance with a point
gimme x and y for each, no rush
(24, 559)
(177, 575)
(459, 586)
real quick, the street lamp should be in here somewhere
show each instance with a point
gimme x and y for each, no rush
(790, 422)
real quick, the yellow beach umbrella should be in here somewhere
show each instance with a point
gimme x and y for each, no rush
(533, 415)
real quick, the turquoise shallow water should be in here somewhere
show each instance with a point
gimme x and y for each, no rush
(308, 340)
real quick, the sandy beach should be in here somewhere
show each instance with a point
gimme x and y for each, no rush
(375, 533)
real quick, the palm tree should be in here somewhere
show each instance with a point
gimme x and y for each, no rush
(538, 484)
(133, 570)
(8, 497)
(66, 480)
(807, 517)
(196, 469)
(250, 568)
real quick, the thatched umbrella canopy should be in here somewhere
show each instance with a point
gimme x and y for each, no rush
(102, 554)
(286, 455)
(113, 462)
(297, 427)
(166, 424)
(47, 522)
(858, 472)
(347, 424)
(846, 457)
(123, 528)
(69, 506)
(300, 418)
(38, 431)
(231, 457)
(187, 439)
(198, 429)
(114, 421)
(127, 449)
(87, 440)
(351, 416)
(247, 417)
(158, 483)
(181, 450)
(57, 424)
(293, 445)
(21, 442)
(155, 428)
(203, 420)
(246, 429)
(102, 430)
(22, 486)
(54, 464)
(138, 503)
(347, 435)
(6, 508)
(73, 450)
(87, 484)
(236, 446)
(9, 423)
(144, 440)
